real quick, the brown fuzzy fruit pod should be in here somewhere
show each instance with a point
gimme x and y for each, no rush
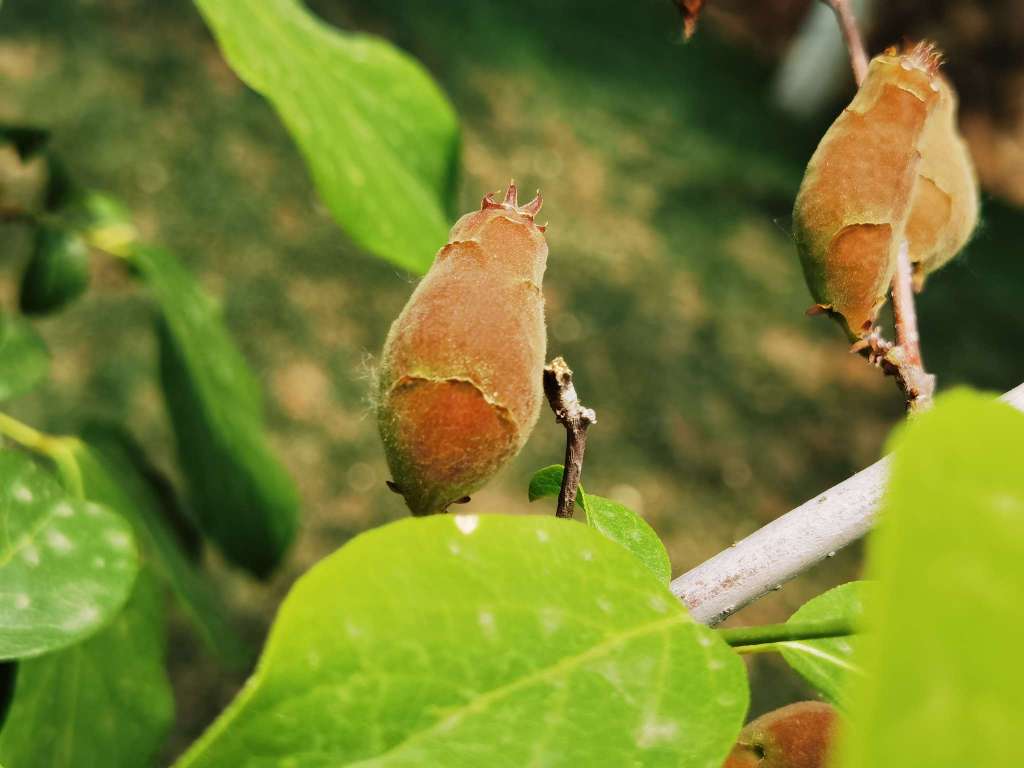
(944, 210)
(795, 736)
(460, 383)
(851, 210)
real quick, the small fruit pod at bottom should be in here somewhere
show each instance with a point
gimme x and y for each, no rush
(796, 736)
(459, 386)
(851, 210)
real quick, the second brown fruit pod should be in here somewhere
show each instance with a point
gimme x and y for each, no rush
(460, 381)
(944, 209)
(850, 213)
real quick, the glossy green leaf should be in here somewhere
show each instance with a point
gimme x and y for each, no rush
(943, 678)
(242, 495)
(547, 483)
(626, 527)
(66, 565)
(615, 521)
(378, 135)
(495, 641)
(110, 476)
(105, 702)
(24, 359)
(828, 663)
(58, 272)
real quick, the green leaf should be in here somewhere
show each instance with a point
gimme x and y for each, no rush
(105, 702)
(943, 674)
(58, 272)
(110, 476)
(469, 641)
(24, 359)
(66, 565)
(547, 482)
(378, 135)
(615, 521)
(828, 663)
(243, 498)
(626, 527)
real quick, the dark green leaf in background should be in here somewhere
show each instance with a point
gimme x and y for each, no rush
(615, 521)
(58, 272)
(379, 136)
(944, 677)
(242, 495)
(829, 663)
(103, 703)
(24, 359)
(110, 476)
(494, 641)
(66, 565)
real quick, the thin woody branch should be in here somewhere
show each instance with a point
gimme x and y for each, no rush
(789, 545)
(852, 38)
(575, 417)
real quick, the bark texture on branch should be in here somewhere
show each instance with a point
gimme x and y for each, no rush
(575, 417)
(790, 545)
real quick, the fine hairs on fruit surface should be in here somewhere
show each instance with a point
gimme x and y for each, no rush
(891, 167)
(459, 387)
(795, 736)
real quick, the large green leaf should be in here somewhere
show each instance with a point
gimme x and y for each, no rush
(378, 134)
(615, 521)
(24, 359)
(482, 641)
(243, 497)
(109, 476)
(943, 673)
(66, 565)
(828, 663)
(104, 703)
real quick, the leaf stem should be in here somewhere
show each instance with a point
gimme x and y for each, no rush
(740, 637)
(58, 449)
(575, 417)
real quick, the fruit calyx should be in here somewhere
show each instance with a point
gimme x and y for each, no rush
(511, 202)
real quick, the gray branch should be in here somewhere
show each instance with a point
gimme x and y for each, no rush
(791, 544)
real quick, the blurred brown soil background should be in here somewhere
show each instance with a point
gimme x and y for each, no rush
(672, 289)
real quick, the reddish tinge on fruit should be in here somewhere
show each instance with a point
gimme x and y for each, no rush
(460, 381)
(795, 736)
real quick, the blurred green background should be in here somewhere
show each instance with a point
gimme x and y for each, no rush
(672, 287)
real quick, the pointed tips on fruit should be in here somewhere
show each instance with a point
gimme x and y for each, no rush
(533, 207)
(511, 202)
(926, 56)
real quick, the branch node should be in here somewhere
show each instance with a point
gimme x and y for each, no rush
(576, 418)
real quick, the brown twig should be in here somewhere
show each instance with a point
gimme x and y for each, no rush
(917, 384)
(852, 38)
(575, 417)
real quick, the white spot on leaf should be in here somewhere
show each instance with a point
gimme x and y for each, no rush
(63, 510)
(30, 555)
(119, 539)
(85, 616)
(59, 542)
(487, 624)
(542, 536)
(22, 601)
(467, 523)
(654, 732)
(23, 493)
